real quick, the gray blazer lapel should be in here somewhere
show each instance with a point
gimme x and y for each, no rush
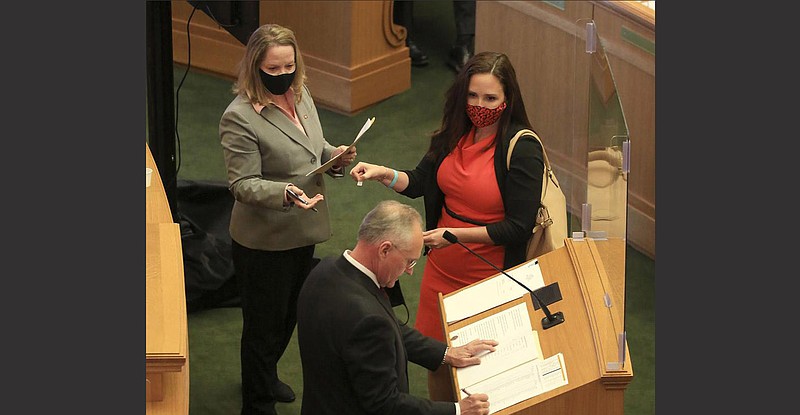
(275, 117)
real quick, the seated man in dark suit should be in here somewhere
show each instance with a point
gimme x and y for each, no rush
(354, 352)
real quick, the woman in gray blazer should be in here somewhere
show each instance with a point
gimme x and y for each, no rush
(271, 138)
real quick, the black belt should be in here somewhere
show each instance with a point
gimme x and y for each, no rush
(462, 218)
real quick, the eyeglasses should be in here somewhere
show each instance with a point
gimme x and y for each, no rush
(410, 263)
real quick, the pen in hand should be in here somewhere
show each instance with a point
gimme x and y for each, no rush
(465, 392)
(296, 196)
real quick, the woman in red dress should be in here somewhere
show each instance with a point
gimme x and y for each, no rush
(468, 190)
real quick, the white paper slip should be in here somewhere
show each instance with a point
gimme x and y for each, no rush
(333, 160)
(493, 291)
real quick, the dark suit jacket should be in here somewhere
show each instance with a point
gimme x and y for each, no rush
(520, 186)
(354, 353)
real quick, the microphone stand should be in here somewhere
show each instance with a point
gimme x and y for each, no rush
(550, 319)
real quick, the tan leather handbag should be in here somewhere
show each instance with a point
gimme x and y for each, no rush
(550, 230)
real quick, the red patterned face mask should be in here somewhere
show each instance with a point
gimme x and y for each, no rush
(484, 117)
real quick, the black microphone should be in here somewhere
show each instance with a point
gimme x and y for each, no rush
(549, 321)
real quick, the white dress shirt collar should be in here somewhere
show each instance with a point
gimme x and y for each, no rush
(361, 267)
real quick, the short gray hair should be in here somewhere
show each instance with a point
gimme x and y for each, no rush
(389, 220)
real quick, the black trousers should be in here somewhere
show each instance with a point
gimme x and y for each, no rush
(464, 14)
(269, 283)
(404, 15)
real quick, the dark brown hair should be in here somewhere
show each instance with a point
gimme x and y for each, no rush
(456, 122)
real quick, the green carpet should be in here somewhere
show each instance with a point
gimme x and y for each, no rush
(398, 138)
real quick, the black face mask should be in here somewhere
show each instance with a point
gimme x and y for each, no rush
(277, 84)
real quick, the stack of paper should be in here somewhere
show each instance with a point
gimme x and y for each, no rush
(515, 371)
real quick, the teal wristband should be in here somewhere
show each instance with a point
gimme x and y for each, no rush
(394, 180)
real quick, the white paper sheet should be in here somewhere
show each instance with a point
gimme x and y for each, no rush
(493, 292)
(333, 160)
(518, 343)
(522, 382)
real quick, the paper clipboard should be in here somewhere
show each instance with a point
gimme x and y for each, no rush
(333, 160)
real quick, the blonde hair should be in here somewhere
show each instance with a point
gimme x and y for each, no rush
(249, 82)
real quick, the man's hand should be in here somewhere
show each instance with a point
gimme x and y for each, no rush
(475, 404)
(470, 353)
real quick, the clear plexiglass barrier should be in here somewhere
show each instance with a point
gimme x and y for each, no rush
(599, 206)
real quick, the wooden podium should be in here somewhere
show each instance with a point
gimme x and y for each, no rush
(590, 275)
(166, 329)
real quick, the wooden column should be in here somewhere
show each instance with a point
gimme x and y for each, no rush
(355, 55)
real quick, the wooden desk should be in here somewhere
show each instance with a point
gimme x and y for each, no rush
(167, 339)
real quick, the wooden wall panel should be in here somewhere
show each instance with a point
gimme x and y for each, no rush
(327, 45)
(541, 40)
(355, 59)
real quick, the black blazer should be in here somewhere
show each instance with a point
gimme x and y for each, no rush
(520, 186)
(354, 353)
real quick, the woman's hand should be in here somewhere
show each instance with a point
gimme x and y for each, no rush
(312, 201)
(365, 171)
(434, 238)
(347, 158)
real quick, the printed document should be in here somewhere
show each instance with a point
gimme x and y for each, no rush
(518, 343)
(516, 370)
(522, 382)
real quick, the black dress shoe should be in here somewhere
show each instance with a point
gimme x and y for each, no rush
(283, 392)
(418, 57)
(459, 55)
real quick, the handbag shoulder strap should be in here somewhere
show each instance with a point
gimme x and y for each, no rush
(547, 170)
(513, 143)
